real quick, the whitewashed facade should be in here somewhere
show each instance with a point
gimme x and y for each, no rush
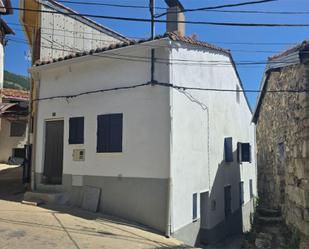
(172, 140)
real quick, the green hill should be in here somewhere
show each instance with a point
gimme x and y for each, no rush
(15, 81)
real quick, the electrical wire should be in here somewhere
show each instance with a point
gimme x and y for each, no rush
(220, 7)
(133, 19)
(178, 87)
(94, 39)
(111, 55)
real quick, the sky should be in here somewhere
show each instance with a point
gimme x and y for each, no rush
(226, 37)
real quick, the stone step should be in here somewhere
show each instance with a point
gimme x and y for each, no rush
(266, 212)
(52, 198)
(265, 220)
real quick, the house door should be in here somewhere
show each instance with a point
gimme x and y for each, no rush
(53, 161)
(203, 209)
(228, 211)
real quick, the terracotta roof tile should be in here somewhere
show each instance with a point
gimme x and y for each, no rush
(171, 36)
(14, 94)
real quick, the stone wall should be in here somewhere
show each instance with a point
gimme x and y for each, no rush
(283, 146)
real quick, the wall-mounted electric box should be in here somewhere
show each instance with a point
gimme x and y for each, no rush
(78, 155)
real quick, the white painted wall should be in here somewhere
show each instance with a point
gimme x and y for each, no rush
(62, 35)
(8, 143)
(192, 160)
(146, 132)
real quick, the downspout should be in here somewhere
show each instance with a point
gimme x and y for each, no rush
(168, 229)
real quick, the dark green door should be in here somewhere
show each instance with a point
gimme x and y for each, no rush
(53, 160)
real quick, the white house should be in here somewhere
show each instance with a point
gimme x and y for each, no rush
(175, 159)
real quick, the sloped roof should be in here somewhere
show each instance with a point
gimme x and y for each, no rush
(56, 5)
(170, 35)
(288, 57)
(14, 94)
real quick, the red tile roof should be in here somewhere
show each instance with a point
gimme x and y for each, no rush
(14, 94)
(171, 36)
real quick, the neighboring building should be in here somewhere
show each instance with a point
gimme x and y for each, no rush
(13, 103)
(161, 156)
(13, 125)
(283, 136)
(54, 30)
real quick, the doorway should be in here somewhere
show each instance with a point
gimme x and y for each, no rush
(53, 159)
(204, 208)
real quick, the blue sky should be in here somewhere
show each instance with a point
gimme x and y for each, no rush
(251, 75)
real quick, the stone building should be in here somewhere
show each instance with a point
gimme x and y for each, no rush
(282, 133)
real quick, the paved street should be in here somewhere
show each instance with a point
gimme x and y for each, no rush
(23, 226)
(29, 227)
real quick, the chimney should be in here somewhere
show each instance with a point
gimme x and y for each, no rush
(175, 14)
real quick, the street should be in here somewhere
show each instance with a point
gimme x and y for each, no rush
(23, 226)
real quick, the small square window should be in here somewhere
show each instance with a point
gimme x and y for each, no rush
(244, 152)
(18, 129)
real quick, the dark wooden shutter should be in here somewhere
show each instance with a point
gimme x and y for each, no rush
(109, 134)
(241, 193)
(245, 152)
(227, 201)
(103, 133)
(76, 130)
(115, 133)
(194, 206)
(228, 149)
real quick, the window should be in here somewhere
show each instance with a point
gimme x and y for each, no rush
(194, 217)
(109, 133)
(76, 132)
(227, 201)
(228, 149)
(244, 152)
(237, 94)
(241, 193)
(281, 152)
(18, 129)
(251, 188)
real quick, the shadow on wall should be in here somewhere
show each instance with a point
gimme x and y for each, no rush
(224, 203)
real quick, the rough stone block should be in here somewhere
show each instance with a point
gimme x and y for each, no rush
(305, 148)
(302, 168)
(306, 122)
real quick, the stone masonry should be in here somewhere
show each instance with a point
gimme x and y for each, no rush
(283, 146)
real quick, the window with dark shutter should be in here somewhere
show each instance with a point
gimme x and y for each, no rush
(228, 149)
(194, 217)
(241, 193)
(18, 129)
(109, 133)
(244, 152)
(76, 130)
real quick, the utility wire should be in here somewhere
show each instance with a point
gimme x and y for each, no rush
(133, 19)
(90, 33)
(220, 7)
(169, 85)
(112, 55)
(208, 10)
